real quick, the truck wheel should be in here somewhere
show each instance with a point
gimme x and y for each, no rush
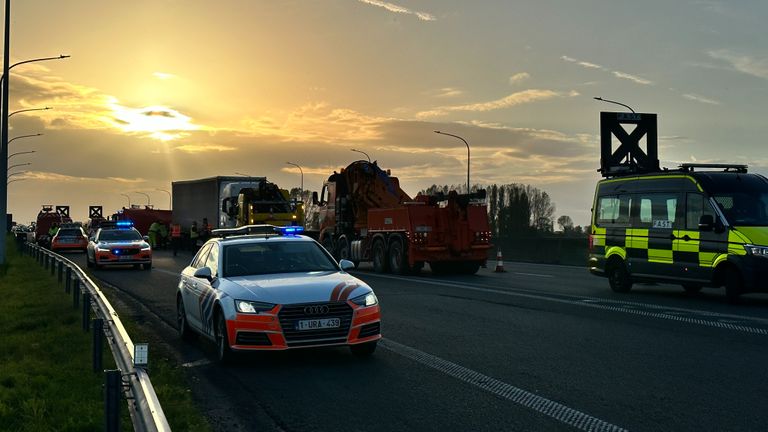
(328, 244)
(469, 267)
(343, 248)
(380, 262)
(618, 276)
(398, 262)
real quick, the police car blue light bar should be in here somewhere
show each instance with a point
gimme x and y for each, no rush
(124, 224)
(288, 230)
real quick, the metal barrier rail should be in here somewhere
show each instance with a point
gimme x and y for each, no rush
(146, 412)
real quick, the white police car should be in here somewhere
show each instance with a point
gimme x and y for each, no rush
(119, 243)
(261, 287)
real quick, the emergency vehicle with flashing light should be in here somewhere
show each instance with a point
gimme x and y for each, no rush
(70, 236)
(702, 225)
(119, 243)
(261, 287)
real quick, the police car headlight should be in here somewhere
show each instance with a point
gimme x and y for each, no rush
(254, 307)
(756, 250)
(145, 246)
(365, 299)
(102, 247)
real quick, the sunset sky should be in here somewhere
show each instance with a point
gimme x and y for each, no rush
(165, 90)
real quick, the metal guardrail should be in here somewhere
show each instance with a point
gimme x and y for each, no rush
(146, 412)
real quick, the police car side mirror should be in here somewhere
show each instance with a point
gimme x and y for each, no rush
(706, 223)
(346, 265)
(203, 273)
(145, 238)
(314, 198)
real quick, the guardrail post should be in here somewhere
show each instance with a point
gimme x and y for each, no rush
(45, 261)
(76, 294)
(86, 310)
(61, 271)
(113, 381)
(68, 285)
(98, 343)
(53, 265)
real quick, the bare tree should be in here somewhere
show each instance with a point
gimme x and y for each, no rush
(566, 223)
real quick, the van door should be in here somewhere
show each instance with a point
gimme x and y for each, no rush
(695, 250)
(656, 217)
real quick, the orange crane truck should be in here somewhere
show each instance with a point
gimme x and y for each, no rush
(365, 216)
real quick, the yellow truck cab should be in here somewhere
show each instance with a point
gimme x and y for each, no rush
(703, 225)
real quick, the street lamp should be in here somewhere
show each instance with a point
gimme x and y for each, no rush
(11, 181)
(614, 102)
(18, 165)
(465, 142)
(360, 151)
(27, 110)
(129, 199)
(59, 57)
(170, 206)
(22, 136)
(146, 195)
(13, 174)
(302, 178)
(20, 153)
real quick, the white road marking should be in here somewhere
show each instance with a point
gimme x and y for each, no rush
(662, 312)
(534, 274)
(556, 410)
(196, 363)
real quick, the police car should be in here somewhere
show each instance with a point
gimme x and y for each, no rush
(70, 236)
(702, 225)
(262, 287)
(119, 243)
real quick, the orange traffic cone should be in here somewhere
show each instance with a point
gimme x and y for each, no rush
(499, 263)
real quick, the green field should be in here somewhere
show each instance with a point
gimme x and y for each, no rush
(46, 376)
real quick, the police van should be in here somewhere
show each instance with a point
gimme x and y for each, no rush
(702, 225)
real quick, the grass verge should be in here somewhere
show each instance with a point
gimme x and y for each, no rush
(46, 377)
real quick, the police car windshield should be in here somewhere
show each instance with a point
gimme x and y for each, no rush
(275, 256)
(119, 235)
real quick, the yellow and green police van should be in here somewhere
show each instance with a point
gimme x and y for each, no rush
(704, 225)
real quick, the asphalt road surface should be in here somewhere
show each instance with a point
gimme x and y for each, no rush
(538, 347)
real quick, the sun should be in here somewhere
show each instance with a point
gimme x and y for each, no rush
(157, 121)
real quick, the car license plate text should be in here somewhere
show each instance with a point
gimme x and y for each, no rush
(315, 324)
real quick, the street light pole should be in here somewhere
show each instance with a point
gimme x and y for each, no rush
(129, 199)
(4, 132)
(20, 153)
(302, 178)
(467, 144)
(27, 110)
(360, 151)
(614, 102)
(170, 203)
(146, 195)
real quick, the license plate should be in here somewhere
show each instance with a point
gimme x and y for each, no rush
(125, 258)
(315, 324)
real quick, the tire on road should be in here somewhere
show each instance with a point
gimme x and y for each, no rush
(398, 260)
(734, 284)
(618, 276)
(181, 321)
(380, 261)
(223, 352)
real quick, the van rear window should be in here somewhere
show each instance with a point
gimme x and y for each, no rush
(613, 210)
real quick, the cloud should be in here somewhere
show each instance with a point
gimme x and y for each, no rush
(522, 97)
(163, 75)
(446, 92)
(618, 74)
(701, 99)
(423, 16)
(519, 77)
(203, 148)
(743, 63)
(633, 78)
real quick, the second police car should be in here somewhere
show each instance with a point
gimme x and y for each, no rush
(119, 243)
(252, 289)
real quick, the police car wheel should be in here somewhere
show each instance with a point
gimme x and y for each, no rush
(618, 277)
(223, 352)
(692, 288)
(181, 320)
(363, 350)
(147, 266)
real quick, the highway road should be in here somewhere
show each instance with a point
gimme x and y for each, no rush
(538, 347)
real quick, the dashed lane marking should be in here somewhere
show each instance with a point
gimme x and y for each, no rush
(534, 274)
(196, 363)
(548, 407)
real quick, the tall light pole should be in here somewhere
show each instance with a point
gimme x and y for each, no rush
(27, 110)
(360, 151)
(467, 144)
(170, 204)
(129, 199)
(614, 102)
(20, 153)
(146, 195)
(5, 81)
(302, 178)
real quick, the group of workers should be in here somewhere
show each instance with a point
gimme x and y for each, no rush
(160, 235)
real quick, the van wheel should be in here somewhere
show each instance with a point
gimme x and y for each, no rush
(618, 277)
(734, 285)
